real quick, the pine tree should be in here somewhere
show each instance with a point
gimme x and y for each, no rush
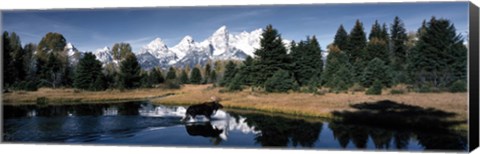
(235, 83)
(307, 61)
(28, 60)
(230, 71)
(156, 76)
(195, 76)
(399, 50)
(338, 71)
(171, 74)
(356, 45)
(208, 69)
(184, 77)
(376, 70)
(281, 81)
(130, 72)
(213, 76)
(88, 73)
(52, 44)
(341, 38)
(376, 48)
(271, 56)
(7, 64)
(439, 57)
(247, 71)
(376, 31)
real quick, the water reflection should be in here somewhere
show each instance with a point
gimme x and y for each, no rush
(382, 125)
(387, 121)
(206, 130)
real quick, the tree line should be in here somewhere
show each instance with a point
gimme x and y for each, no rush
(432, 59)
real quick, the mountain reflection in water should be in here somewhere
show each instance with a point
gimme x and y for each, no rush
(142, 123)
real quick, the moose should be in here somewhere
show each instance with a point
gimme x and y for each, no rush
(206, 109)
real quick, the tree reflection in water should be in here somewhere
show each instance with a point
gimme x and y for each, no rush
(387, 120)
(205, 129)
(278, 131)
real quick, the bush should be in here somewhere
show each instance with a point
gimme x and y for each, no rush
(235, 83)
(172, 84)
(375, 89)
(399, 89)
(458, 86)
(357, 87)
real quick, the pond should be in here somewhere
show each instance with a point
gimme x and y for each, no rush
(142, 123)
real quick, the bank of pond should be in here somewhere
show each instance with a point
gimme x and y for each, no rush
(383, 125)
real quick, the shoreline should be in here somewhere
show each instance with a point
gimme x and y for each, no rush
(295, 104)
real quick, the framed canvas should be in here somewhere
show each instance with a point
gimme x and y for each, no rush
(398, 76)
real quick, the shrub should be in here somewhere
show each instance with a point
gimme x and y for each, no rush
(42, 101)
(398, 89)
(357, 87)
(172, 84)
(458, 86)
(375, 89)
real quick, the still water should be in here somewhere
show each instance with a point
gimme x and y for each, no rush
(141, 123)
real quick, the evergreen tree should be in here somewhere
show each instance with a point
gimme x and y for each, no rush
(157, 76)
(341, 38)
(130, 72)
(356, 46)
(195, 76)
(235, 83)
(171, 74)
(399, 50)
(376, 31)
(376, 48)
(28, 60)
(54, 68)
(146, 80)
(384, 34)
(338, 71)
(50, 52)
(89, 74)
(184, 77)
(439, 57)
(208, 69)
(230, 71)
(376, 70)
(375, 89)
(271, 56)
(247, 72)
(7, 64)
(281, 81)
(307, 61)
(213, 76)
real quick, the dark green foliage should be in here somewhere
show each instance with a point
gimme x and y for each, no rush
(247, 71)
(341, 38)
(439, 57)
(271, 56)
(230, 71)
(184, 77)
(172, 84)
(458, 86)
(213, 76)
(171, 74)
(196, 76)
(376, 31)
(145, 80)
(281, 81)
(208, 70)
(130, 72)
(156, 76)
(307, 61)
(88, 74)
(236, 83)
(121, 50)
(399, 50)
(338, 71)
(375, 89)
(54, 70)
(384, 34)
(51, 59)
(376, 70)
(6, 61)
(356, 42)
(376, 48)
(13, 62)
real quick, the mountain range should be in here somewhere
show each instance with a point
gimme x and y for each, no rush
(221, 45)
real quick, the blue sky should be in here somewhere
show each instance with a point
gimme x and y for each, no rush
(90, 29)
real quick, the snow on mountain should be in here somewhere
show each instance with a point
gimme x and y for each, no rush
(156, 53)
(73, 54)
(104, 55)
(221, 45)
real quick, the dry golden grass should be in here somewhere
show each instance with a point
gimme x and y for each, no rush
(71, 95)
(304, 104)
(313, 105)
